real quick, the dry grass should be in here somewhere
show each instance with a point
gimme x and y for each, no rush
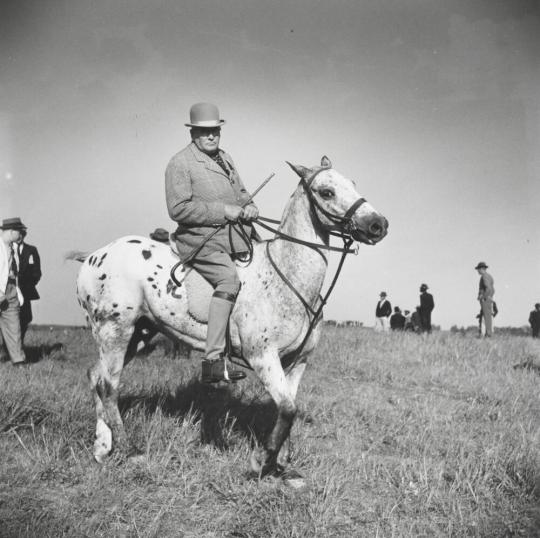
(397, 436)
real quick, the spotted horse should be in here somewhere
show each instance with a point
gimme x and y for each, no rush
(126, 285)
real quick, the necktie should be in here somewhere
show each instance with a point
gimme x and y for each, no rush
(13, 265)
(219, 160)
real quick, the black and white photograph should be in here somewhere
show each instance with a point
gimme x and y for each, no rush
(269, 269)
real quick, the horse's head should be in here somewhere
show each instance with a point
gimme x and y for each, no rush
(338, 206)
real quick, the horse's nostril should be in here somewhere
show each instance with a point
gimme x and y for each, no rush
(375, 228)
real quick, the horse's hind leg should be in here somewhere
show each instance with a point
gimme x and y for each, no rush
(104, 379)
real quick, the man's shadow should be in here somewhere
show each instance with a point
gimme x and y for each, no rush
(218, 409)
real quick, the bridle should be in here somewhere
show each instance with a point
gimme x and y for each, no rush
(313, 311)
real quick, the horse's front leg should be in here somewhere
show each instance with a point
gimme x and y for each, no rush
(294, 375)
(268, 368)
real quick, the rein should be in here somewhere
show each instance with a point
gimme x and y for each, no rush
(314, 313)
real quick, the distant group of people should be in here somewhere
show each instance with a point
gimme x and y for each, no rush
(20, 271)
(418, 321)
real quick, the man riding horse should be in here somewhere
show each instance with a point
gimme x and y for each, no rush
(204, 191)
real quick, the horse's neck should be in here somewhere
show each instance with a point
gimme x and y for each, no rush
(303, 265)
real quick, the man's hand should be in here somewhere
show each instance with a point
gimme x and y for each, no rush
(3, 304)
(233, 212)
(250, 212)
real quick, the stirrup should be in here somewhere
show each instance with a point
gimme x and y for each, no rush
(215, 370)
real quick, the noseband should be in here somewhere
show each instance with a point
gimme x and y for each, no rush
(344, 221)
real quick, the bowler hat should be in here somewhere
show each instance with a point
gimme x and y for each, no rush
(160, 234)
(481, 265)
(382, 294)
(204, 115)
(423, 287)
(12, 224)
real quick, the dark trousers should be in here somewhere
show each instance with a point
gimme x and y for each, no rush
(26, 317)
(425, 321)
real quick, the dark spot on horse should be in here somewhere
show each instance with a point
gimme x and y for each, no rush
(155, 273)
(173, 314)
(150, 279)
(159, 293)
(159, 266)
(146, 254)
(134, 241)
(116, 314)
(115, 305)
(266, 339)
(103, 276)
(154, 286)
(95, 312)
(87, 298)
(129, 307)
(265, 329)
(91, 260)
(101, 260)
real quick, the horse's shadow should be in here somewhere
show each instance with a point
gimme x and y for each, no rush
(54, 351)
(219, 410)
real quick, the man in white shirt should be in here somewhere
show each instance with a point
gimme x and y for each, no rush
(10, 294)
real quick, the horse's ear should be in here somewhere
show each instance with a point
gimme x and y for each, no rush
(302, 171)
(325, 162)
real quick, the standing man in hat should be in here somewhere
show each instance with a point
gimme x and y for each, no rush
(10, 294)
(29, 265)
(204, 191)
(427, 304)
(382, 312)
(486, 290)
(534, 321)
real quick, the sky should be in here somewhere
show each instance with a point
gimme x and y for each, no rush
(432, 107)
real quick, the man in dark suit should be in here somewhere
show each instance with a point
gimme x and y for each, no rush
(382, 312)
(427, 304)
(204, 191)
(29, 265)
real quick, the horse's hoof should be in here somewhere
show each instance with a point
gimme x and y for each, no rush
(136, 459)
(256, 460)
(293, 479)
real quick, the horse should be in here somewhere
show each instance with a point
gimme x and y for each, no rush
(126, 287)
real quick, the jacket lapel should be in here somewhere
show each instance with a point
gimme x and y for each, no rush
(208, 162)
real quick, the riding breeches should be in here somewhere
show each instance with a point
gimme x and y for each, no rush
(220, 271)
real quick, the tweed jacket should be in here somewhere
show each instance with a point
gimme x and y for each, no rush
(29, 271)
(197, 190)
(4, 272)
(486, 287)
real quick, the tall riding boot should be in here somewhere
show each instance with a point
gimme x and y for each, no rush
(214, 368)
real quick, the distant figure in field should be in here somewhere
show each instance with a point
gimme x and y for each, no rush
(397, 320)
(534, 320)
(416, 321)
(10, 295)
(160, 234)
(486, 290)
(29, 266)
(382, 312)
(426, 307)
(408, 324)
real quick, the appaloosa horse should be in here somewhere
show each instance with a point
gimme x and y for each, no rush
(126, 286)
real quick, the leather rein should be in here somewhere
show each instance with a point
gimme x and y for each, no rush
(314, 311)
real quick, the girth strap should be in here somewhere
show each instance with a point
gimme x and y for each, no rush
(225, 295)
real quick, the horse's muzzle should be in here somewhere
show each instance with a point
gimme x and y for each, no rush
(373, 229)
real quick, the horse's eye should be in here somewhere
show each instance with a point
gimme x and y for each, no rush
(326, 193)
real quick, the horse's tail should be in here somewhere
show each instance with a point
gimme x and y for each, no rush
(76, 255)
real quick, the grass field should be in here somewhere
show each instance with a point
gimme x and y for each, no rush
(397, 435)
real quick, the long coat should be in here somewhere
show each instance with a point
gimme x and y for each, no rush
(197, 190)
(29, 271)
